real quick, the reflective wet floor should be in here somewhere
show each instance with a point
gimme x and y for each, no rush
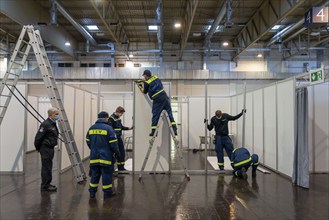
(268, 196)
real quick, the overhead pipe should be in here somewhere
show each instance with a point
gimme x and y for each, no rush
(229, 12)
(53, 13)
(81, 29)
(159, 20)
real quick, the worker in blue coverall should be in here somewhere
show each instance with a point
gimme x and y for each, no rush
(241, 161)
(115, 123)
(103, 143)
(220, 122)
(153, 86)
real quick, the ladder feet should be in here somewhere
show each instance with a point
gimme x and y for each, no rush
(188, 177)
(140, 179)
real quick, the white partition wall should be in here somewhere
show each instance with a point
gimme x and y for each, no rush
(286, 126)
(238, 122)
(32, 124)
(196, 127)
(127, 118)
(318, 98)
(87, 122)
(12, 135)
(270, 144)
(233, 125)
(159, 158)
(78, 131)
(270, 124)
(258, 131)
(69, 101)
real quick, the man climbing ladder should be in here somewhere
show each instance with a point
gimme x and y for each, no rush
(152, 85)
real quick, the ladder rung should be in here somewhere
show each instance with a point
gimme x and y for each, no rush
(14, 74)
(5, 95)
(22, 53)
(25, 42)
(3, 106)
(20, 64)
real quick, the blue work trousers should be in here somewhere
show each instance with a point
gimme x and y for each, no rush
(121, 159)
(160, 104)
(223, 142)
(254, 163)
(96, 172)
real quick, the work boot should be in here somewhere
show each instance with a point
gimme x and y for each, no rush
(221, 167)
(253, 173)
(50, 188)
(152, 133)
(244, 173)
(109, 195)
(92, 196)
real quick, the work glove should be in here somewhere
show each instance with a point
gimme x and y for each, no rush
(132, 127)
(205, 120)
(244, 111)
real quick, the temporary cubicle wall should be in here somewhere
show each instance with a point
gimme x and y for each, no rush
(12, 135)
(318, 100)
(80, 107)
(159, 158)
(270, 124)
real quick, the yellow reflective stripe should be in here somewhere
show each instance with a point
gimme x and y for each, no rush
(87, 139)
(107, 162)
(220, 163)
(112, 141)
(255, 163)
(242, 162)
(98, 131)
(151, 80)
(236, 173)
(154, 127)
(173, 123)
(115, 119)
(93, 185)
(157, 93)
(234, 149)
(107, 186)
(121, 163)
(117, 129)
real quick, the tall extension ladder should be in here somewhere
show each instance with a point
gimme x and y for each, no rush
(176, 142)
(11, 77)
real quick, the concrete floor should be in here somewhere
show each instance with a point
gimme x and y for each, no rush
(164, 197)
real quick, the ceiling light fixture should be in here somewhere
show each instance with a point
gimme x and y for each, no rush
(259, 55)
(177, 25)
(67, 44)
(196, 34)
(92, 27)
(153, 27)
(131, 55)
(276, 27)
(225, 44)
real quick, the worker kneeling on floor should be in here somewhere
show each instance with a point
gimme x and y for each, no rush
(103, 143)
(241, 161)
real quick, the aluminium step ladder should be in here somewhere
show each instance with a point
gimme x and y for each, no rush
(16, 64)
(176, 142)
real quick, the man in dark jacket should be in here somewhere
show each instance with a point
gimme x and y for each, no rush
(44, 142)
(154, 88)
(220, 122)
(241, 161)
(103, 143)
(115, 123)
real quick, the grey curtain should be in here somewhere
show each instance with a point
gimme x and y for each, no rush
(300, 175)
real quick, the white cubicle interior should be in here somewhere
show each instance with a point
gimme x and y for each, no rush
(270, 128)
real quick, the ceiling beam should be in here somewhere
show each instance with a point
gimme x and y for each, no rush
(188, 21)
(105, 23)
(27, 12)
(263, 20)
(305, 49)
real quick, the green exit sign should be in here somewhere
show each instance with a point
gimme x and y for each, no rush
(316, 76)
